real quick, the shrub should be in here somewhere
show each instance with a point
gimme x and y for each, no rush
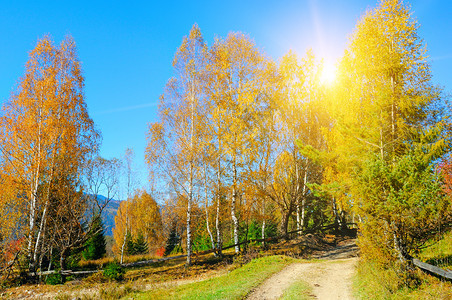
(176, 250)
(160, 252)
(54, 279)
(114, 271)
(97, 277)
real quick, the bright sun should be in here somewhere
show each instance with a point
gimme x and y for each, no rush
(328, 75)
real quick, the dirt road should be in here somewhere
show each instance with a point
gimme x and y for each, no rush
(330, 279)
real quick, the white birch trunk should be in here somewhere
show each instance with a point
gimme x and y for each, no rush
(33, 200)
(190, 181)
(336, 213)
(123, 245)
(207, 210)
(189, 242)
(217, 217)
(263, 222)
(303, 199)
(298, 197)
(233, 204)
(44, 213)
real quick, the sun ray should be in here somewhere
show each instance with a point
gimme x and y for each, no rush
(328, 74)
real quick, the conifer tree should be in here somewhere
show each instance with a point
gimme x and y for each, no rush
(172, 242)
(95, 246)
(140, 245)
(129, 244)
(387, 132)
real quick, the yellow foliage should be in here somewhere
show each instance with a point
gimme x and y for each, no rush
(138, 215)
(46, 135)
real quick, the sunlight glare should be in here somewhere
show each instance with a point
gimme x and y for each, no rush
(328, 75)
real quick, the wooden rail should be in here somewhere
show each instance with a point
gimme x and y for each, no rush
(62, 272)
(432, 269)
(153, 261)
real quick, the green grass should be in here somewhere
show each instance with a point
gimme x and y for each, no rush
(372, 281)
(234, 285)
(440, 253)
(300, 290)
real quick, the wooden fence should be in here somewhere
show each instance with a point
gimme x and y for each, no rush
(153, 261)
(433, 270)
(270, 239)
(430, 269)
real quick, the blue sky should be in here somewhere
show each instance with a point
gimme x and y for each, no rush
(126, 47)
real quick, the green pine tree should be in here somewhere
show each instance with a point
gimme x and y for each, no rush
(140, 245)
(172, 242)
(130, 245)
(95, 246)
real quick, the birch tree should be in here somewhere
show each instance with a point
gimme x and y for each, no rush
(138, 216)
(44, 125)
(237, 92)
(179, 135)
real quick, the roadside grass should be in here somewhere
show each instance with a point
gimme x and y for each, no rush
(439, 253)
(164, 276)
(233, 285)
(372, 281)
(299, 290)
(96, 286)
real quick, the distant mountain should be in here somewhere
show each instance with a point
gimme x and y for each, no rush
(109, 213)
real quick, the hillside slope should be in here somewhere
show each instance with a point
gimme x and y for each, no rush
(109, 213)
